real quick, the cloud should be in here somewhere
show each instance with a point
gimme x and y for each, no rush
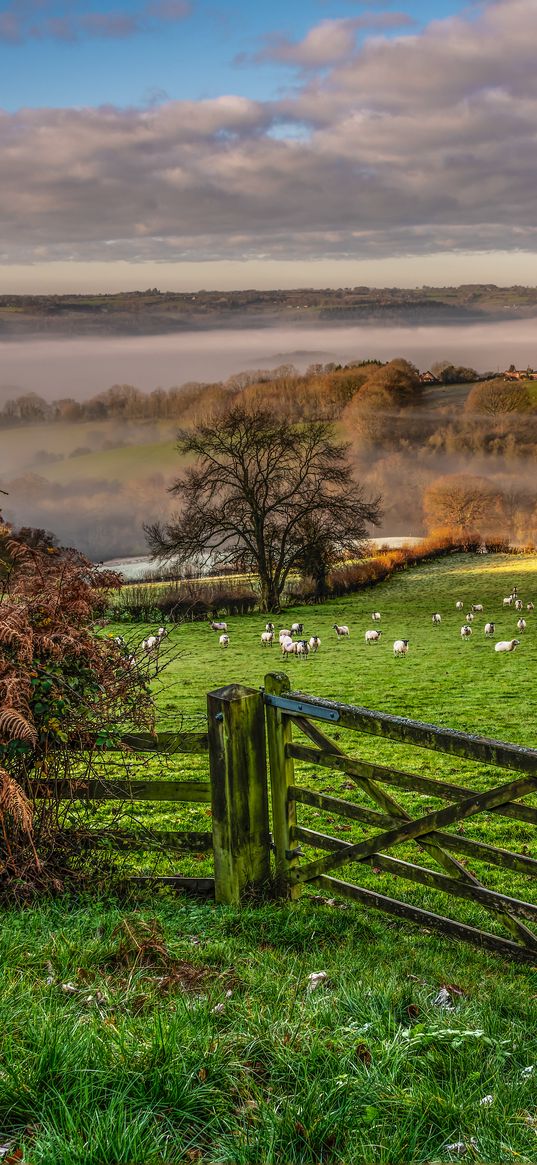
(328, 42)
(25, 20)
(407, 145)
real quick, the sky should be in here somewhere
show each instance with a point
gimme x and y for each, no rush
(192, 144)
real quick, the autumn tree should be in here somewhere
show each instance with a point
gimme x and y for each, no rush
(496, 397)
(460, 501)
(274, 495)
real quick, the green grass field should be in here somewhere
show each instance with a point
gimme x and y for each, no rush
(156, 1030)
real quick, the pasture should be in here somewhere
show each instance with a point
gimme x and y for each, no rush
(156, 1030)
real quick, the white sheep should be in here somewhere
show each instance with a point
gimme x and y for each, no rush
(218, 626)
(372, 636)
(436, 618)
(314, 643)
(469, 617)
(375, 616)
(459, 605)
(269, 626)
(490, 628)
(508, 601)
(519, 605)
(302, 648)
(297, 628)
(288, 646)
(400, 647)
(341, 632)
(506, 645)
(530, 606)
(267, 638)
(477, 607)
(151, 643)
(285, 633)
(224, 641)
(466, 631)
(521, 625)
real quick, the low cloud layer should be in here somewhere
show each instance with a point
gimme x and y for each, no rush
(27, 20)
(405, 145)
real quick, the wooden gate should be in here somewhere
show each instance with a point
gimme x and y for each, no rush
(391, 823)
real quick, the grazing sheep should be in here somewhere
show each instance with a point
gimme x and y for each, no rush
(521, 625)
(302, 648)
(375, 616)
(314, 643)
(477, 607)
(341, 632)
(459, 605)
(218, 626)
(267, 638)
(151, 643)
(400, 647)
(285, 633)
(530, 606)
(436, 618)
(519, 605)
(490, 628)
(288, 646)
(508, 601)
(469, 617)
(372, 636)
(224, 641)
(269, 626)
(506, 645)
(466, 631)
(297, 628)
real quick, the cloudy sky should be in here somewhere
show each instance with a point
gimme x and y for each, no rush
(205, 143)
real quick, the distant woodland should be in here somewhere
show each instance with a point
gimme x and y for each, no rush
(157, 312)
(453, 450)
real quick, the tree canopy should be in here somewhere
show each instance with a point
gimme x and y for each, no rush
(269, 495)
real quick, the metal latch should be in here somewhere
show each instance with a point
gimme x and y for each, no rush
(290, 704)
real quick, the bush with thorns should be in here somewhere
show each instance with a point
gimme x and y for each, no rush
(65, 692)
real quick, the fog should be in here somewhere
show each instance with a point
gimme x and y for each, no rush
(80, 367)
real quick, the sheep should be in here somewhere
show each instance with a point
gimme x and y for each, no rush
(285, 633)
(508, 601)
(459, 605)
(436, 618)
(521, 625)
(477, 607)
(519, 605)
(151, 643)
(297, 628)
(341, 632)
(506, 645)
(530, 606)
(372, 636)
(466, 631)
(490, 628)
(314, 643)
(224, 641)
(267, 638)
(302, 648)
(119, 640)
(375, 616)
(400, 647)
(269, 626)
(218, 626)
(288, 646)
(469, 617)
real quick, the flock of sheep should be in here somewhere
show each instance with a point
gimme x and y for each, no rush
(291, 639)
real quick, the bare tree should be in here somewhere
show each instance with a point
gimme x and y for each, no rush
(460, 500)
(264, 492)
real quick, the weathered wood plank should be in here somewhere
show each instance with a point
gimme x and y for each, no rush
(418, 828)
(179, 841)
(167, 742)
(120, 790)
(238, 768)
(279, 735)
(343, 808)
(400, 728)
(490, 899)
(202, 886)
(414, 783)
(424, 918)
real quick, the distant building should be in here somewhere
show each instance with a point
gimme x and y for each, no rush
(429, 378)
(519, 374)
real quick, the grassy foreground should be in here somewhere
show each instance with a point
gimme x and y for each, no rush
(161, 1031)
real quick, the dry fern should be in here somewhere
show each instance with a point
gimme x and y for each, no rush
(14, 804)
(14, 726)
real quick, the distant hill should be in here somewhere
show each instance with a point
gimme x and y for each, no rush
(155, 312)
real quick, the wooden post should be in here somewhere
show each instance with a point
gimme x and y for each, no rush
(279, 734)
(238, 768)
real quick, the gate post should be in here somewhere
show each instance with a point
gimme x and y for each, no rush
(279, 733)
(238, 769)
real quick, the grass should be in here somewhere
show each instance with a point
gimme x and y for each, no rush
(121, 1043)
